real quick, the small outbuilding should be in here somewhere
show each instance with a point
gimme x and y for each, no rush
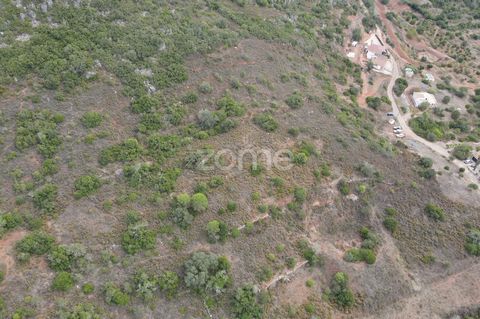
(422, 97)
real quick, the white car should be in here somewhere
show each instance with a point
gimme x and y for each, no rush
(400, 135)
(397, 127)
(467, 161)
(391, 121)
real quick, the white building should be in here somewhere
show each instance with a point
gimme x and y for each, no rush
(422, 97)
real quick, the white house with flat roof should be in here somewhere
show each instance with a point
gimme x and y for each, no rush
(422, 97)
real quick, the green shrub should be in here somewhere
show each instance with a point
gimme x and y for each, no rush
(205, 88)
(462, 151)
(343, 187)
(230, 106)
(49, 167)
(88, 288)
(36, 243)
(265, 121)
(182, 217)
(199, 203)
(175, 113)
(189, 98)
(86, 185)
(300, 194)
(91, 119)
(63, 281)
(340, 293)
(168, 282)
(207, 273)
(362, 254)
(427, 128)
(231, 206)
(45, 198)
(81, 311)
(182, 200)
(400, 86)
(245, 304)
(435, 212)
(9, 221)
(217, 231)
(295, 101)
(163, 146)
(38, 128)
(300, 158)
(374, 102)
(472, 244)
(207, 119)
(144, 104)
(66, 257)
(129, 150)
(115, 296)
(390, 223)
(145, 285)
(428, 173)
(425, 162)
(150, 122)
(370, 239)
(137, 238)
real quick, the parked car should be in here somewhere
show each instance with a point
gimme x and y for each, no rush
(468, 161)
(397, 127)
(390, 114)
(391, 121)
(400, 135)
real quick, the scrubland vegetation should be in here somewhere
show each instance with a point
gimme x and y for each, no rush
(115, 114)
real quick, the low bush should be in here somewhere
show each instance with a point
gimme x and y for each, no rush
(390, 223)
(63, 281)
(86, 185)
(168, 282)
(66, 257)
(374, 102)
(144, 104)
(217, 231)
(265, 121)
(362, 254)
(245, 304)
(230, 106)
(129, 150)
(91, 119)
(343, 187)
(137, 238)
(435, 212)
(36, 243)
(340, 293)
(145, 285)
(462, 151)
(45, 198)
(295, 101)
(400, 86)
(425, 162)
(472, 244)
(9, 221)
(207, 273)
(115, 296)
